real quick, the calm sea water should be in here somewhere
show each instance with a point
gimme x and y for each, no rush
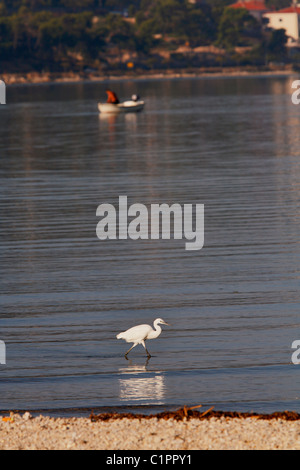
(232, 144)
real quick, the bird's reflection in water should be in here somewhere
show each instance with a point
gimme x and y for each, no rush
(137, 383)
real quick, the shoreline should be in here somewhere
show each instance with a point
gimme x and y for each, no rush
(32, 78)
(184, 429)
(178, 414)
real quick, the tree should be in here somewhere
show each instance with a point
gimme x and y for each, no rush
(121, 33)
(3, 9)
(233, 25)
(75, 5)
(277, 45)
(199, 26)
(96, 38)
(278, 4)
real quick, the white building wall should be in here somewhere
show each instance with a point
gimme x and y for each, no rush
(287, 21)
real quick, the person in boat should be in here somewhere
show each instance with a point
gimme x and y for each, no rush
(135, 98)
(112, 97)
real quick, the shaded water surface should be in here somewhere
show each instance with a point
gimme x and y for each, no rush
(231, 144)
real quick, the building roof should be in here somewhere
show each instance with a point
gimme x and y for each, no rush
(292, 9)
(250, 5)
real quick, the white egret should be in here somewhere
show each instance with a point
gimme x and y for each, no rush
(140, 333)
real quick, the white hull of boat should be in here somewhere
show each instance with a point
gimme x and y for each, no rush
(125, 107)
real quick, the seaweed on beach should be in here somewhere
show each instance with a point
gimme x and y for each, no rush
(192, 412)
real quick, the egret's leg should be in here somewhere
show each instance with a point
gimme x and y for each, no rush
(130, 349)
(143, 343)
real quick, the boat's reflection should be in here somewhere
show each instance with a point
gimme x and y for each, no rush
(111, 118)
(138, 383)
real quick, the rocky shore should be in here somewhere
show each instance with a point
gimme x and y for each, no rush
(186, 432)
(71, 77)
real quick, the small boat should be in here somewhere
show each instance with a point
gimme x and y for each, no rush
(125, 107)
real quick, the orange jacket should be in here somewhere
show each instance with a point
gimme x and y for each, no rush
(112, 97)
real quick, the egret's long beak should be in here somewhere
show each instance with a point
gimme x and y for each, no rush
(165, 323)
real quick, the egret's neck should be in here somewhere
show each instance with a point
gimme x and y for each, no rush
(157, 329)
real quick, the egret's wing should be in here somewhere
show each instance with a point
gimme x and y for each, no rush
(136, 333)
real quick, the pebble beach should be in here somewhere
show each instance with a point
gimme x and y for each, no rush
(24, 432)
